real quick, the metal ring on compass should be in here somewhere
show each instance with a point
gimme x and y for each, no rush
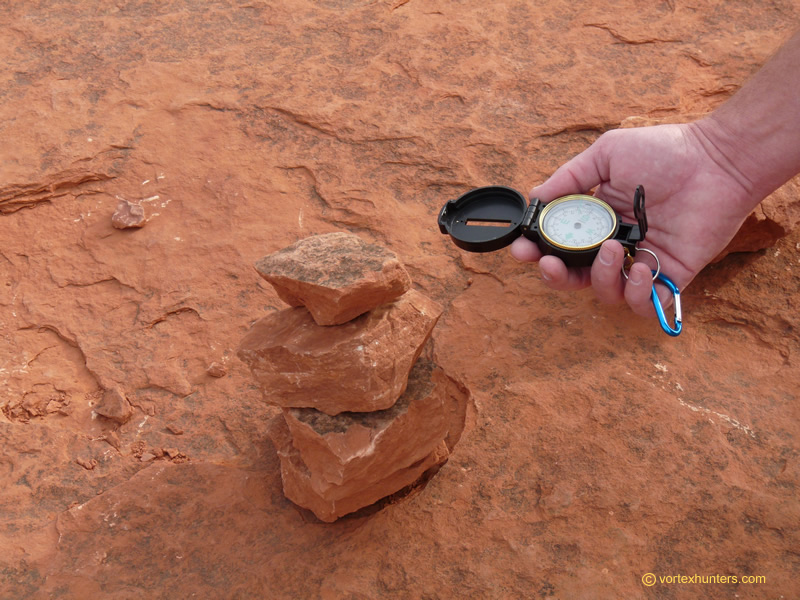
(630, 262)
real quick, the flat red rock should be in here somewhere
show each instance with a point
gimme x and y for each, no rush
(360, 366)
(128, 215)
(358, 446)
(336, 276)
(114, 405)
(338, 500)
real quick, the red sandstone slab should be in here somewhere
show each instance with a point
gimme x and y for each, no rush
(360, 366)
(351, 445)
(336, 276)
(338, 501)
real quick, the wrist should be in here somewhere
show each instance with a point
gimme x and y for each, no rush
(726, 151)
(754, 153)
(755, 135)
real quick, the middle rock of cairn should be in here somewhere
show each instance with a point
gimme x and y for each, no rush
(362, 417)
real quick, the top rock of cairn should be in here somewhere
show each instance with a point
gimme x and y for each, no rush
(336, 276)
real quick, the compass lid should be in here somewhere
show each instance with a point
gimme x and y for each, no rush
(484, 219)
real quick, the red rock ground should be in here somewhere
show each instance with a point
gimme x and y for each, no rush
(598, 449)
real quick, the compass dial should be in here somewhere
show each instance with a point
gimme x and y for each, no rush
(577, 222)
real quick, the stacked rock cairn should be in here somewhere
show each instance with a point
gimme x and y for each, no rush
(365, 412)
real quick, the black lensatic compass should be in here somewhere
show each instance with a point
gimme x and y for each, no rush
(571, 227)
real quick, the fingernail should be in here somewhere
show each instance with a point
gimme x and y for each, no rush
(606, 256)
(635, 277)
(545, 275)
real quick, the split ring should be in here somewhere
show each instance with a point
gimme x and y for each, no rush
(629, 262)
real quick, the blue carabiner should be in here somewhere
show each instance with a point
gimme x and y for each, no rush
(676, 295)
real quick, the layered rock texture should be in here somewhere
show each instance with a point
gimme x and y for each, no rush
(596, 450)
(362, 365)
(362, 419)
(432, 409)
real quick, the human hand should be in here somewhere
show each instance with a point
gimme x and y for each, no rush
(695, 202)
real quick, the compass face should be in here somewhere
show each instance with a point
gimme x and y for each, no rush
(577, 222)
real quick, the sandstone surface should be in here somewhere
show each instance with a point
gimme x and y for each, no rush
(357, 446)
(360, 366)
(336, 276)
(596, 448)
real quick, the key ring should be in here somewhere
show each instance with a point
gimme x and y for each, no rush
(629, 262)
(676, 294)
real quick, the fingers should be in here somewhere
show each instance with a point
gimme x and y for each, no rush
(606, 273)
(611, 287)
(553, 270)
(557, 276)
(638, 289)
(605, 276)
(525, 250)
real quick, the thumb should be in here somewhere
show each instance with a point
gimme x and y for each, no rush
(584, 172)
